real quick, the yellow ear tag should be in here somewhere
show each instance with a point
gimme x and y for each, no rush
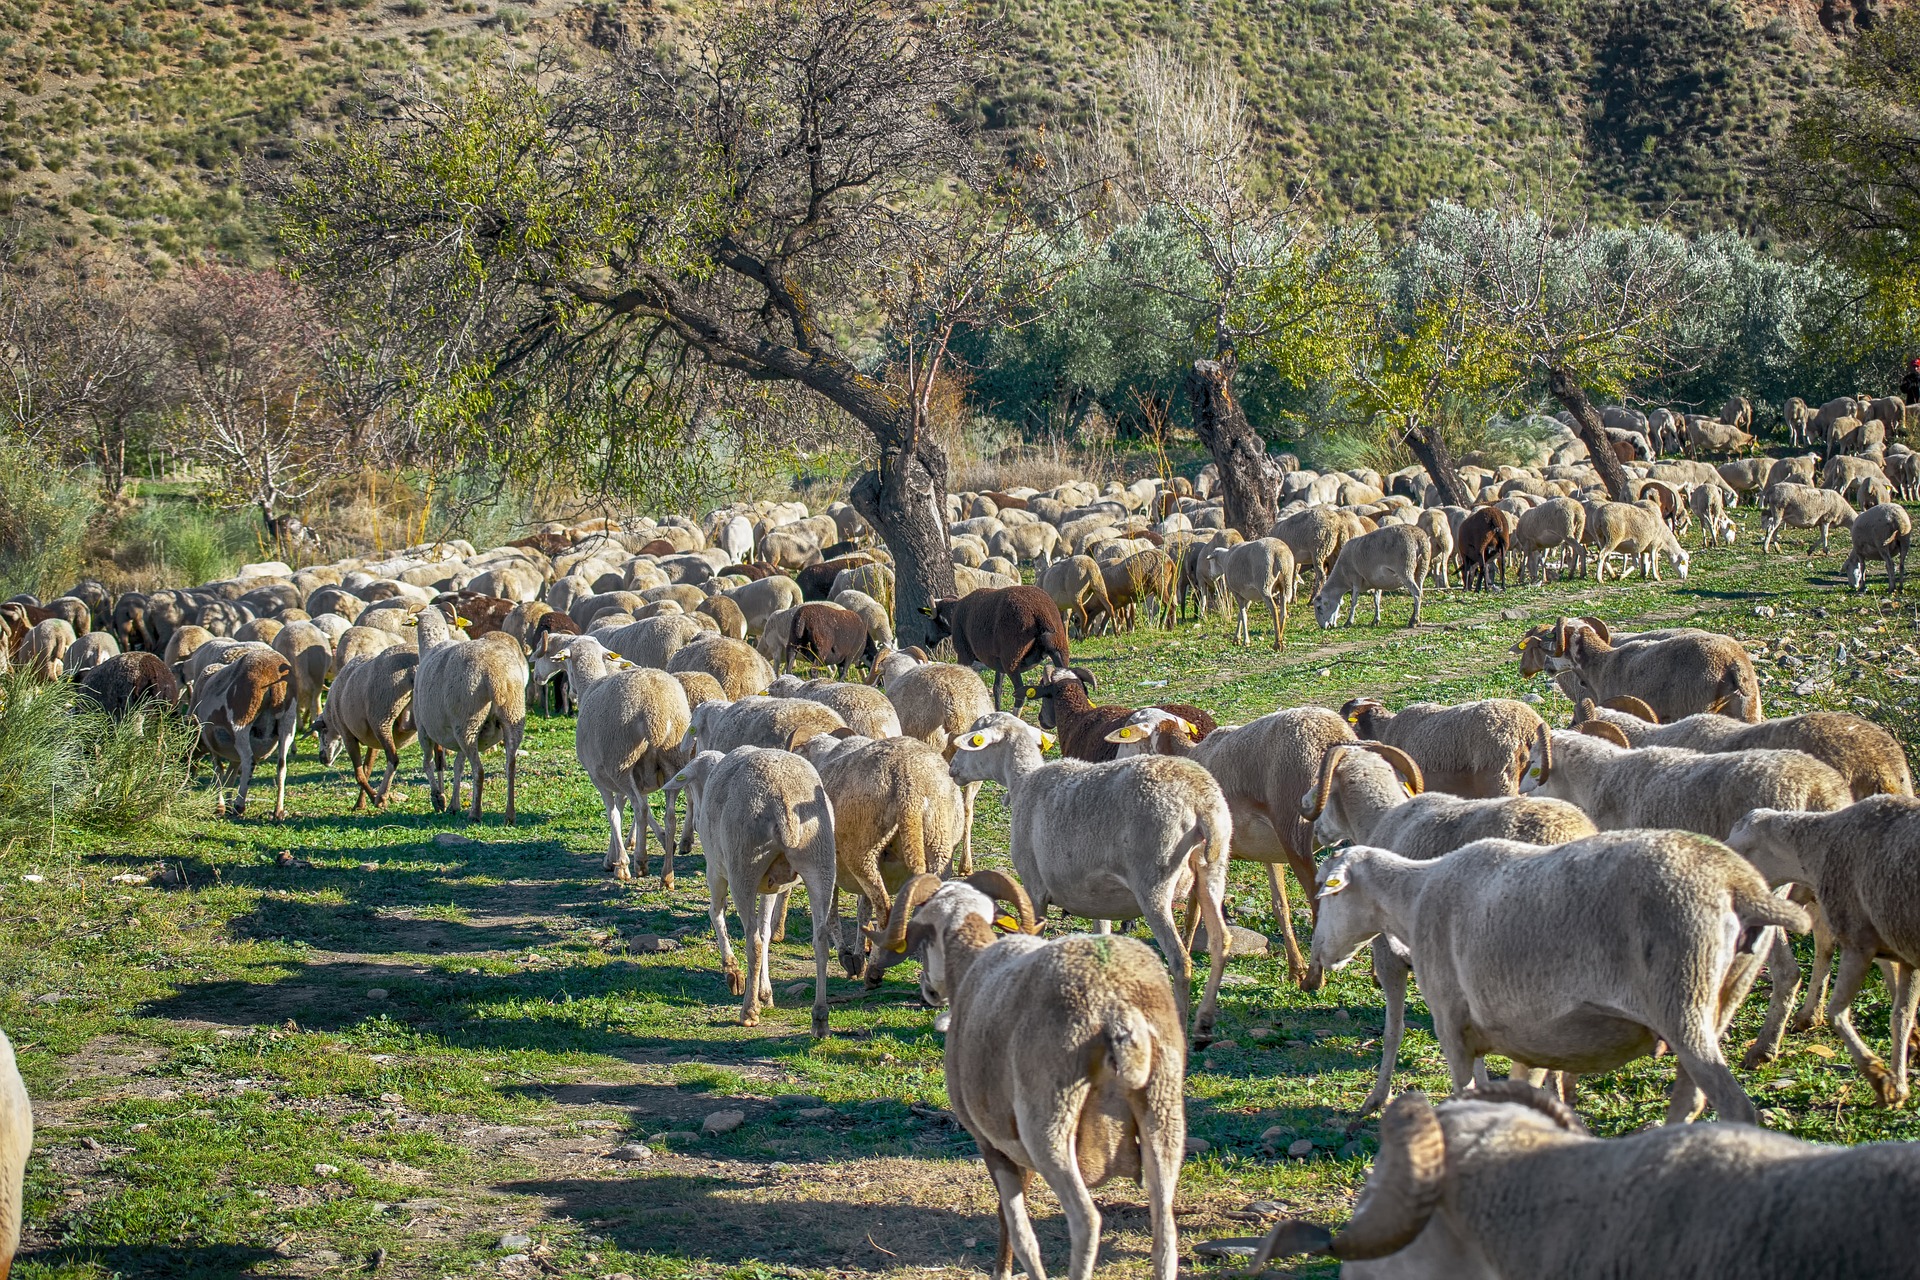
(899, 948)
(1046, 742)
(1534, 773)
(1007, 922)
(1407, 787)
(1354, 718)
(977, 740)
(1335, 883)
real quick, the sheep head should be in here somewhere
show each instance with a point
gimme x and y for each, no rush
(995, 749)
(1364, 714)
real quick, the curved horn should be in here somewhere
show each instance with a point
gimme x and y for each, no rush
(1001, 887)
(1632, 706)
(1405, 1186)
(1403, 764)
(1599, 629)
(912, 894)
(1560, 635)
(1582, 712)
(1086, 678)
(1605, 732)
(1323, 787)
(1546, 751)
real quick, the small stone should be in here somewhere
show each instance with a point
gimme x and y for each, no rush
(33, 879)
(1266, 1208)
(513, 1259)
(652, 943)
(91, 1144)
(1241, 941)
(392, 1097)
(1223, 1044)
(1341, 1015)
(1763, 611)
(971, 1242)
(1273, 1135)
(52, 997)
(451, 839)
(941, 1020)
(128, 877)
(1300, 1147)
(369, 866)
(514, 1241)
(1198, 1146)
(632, 1151)
(326, 1170)
(376, 993)
(1515, 614)
(1222, 1249)
(677, 1135)
(814, 1113)
(797, 988)
(722, 1122)
(1352, 1151)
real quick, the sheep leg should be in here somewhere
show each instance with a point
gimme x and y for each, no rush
(1702, 1069)
(1278, 604)
(873, 899)
(1849, 976)
(289, 727)
(780, 916)
(1162, 1147)
(717, 913)
(1413, 589)
(1810, 1014)
(756, 921)
(243, 746)
(1209, 887)
(998, 676)
(362, 778)
(1783, 972)
(432, 761)
(479, 784)
(1283, 914)
(1052, 1150)
(821, 904)
(968, 793)
(1392, 972)
(616, 860)
(515, 731)
(1159, 913)
(1016, 1231)
(1240, 633)
(1376, 604)
(459, 767)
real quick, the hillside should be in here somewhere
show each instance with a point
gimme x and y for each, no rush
(125, 121)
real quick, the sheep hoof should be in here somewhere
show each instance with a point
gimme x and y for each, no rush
(819, 1023)
(279, 815)
(749, 1019)
(736, 981)
(853, 963)
(1758, 1056)
(1889, 1093)
(666, 880)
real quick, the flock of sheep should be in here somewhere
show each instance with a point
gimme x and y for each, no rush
(1571, 899)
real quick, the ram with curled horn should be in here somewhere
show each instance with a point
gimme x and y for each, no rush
(1064, 1056)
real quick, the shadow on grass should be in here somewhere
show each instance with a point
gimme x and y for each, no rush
(213, 1260)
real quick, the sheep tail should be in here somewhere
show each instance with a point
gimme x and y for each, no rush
(1759, 910)
(1128, 1040)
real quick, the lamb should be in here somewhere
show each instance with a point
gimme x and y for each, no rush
(1799, 506)
(371, 705)
(629, 738)
(1716, 527)
(1114, 841)
(766, 824)
(1575, 958)
(468, 695)
(1396, 557)
(937, 703)
(1801, 470)
(125, 683)
(1004, 629)
(1261, 571)
(1064, 1056)
(1556, 524)
(309, 652)
(1865, 754)
(1506, 1182)
(1475, 749)
(1676, 674)
(897, 814)
(1841, 471)
(830, 636)
(1372, 794)
(1863, 865)
(1076, 586)
(1482, 547)
(1882, 532)
(1708, 792)
(1144, 575)
(247, 712)
(1083, 727)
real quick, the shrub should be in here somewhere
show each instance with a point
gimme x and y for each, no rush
(182, 543)
(43, 523)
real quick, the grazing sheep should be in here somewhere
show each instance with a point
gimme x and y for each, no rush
(247, 712)
(867, 711)
(1506, 1182)
(468, 695)
(1394, 558)
(1260, 571)
(937, 703)
(1144, 575)
(309, 652)
(1575, 958)
(727, 616)
(88, 652)
(1882, 532)
(1677, 673)
(872, 612)
(1475, 749)
(1799, 506)
(829, 636)
(1482, 542)
(1716, 526)
(1064, 1056)
(1004, 629)
(629, 738)
(128, 681)
(44, 648)
(1638, 533)
(1801, 470)
(1075, 585)
(762, 599)
(897, 814)
(1372, 794)
(766, 824)
(776, 723)
(1841, 471)
(1083, 727)
(371, 705)
(1556, 524)
(1705, 436)
(1114, 841)
(1862, 864)
(741, 671)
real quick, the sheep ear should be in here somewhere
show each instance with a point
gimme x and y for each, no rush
(1336, 881)
(974, 741)
(1127, 733)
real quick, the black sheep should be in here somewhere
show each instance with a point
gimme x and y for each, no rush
(1004, 629)
(127, 680)
(831, 637)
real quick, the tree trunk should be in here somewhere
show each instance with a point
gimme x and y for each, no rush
(902, 499)
(1564, 389)
(1249, 479)
(1430, 447)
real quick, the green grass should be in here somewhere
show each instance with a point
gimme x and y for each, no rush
(220, 1091)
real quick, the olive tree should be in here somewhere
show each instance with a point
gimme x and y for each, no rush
(732, 207)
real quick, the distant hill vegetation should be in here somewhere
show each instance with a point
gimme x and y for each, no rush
(126, 121)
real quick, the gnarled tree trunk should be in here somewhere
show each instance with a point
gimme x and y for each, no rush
(1249, 479)
(1564, 389)
(1431, 448)
(902, 499)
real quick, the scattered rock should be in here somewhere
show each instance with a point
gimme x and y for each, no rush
(723, 1122)
(1515, 614)
(971, 1242)
(1534, 700)
(1273, 1135)
(1763, 611)
(127, 877)
(369, 866)
(52, 997)
(1225, 1249)
(1267, 1208)
(1341, 1015)
(34, 879)
(1198, 1146)
(392, 1097)
(1223, 1044)
(632, 1151)
(514, 1241)
(797, 988)
(1261, 1033)
(90, 1143)
(326, 1170)
(1241, 941)
(513, 1259)
(1352, 1151)
(451, 839)
(377, 993)
(1300, 1147)
(652, 943)
(814, 1113)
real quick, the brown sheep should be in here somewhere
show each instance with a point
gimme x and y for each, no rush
(1005, 629)
(830, 636)
(1083, 728)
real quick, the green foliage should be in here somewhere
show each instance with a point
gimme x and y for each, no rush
(184, 541)
(65, 762)
(45, 511)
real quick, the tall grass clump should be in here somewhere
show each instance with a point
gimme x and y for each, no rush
(43, 523)
(66, 763)
(184, 544)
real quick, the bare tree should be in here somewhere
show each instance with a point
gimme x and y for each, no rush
(1577, 306)
(253, 406)
(547, 235)
(1277, 283)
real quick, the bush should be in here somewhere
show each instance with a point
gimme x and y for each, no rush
(64, 762)
(43, 523)
(183, 544)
